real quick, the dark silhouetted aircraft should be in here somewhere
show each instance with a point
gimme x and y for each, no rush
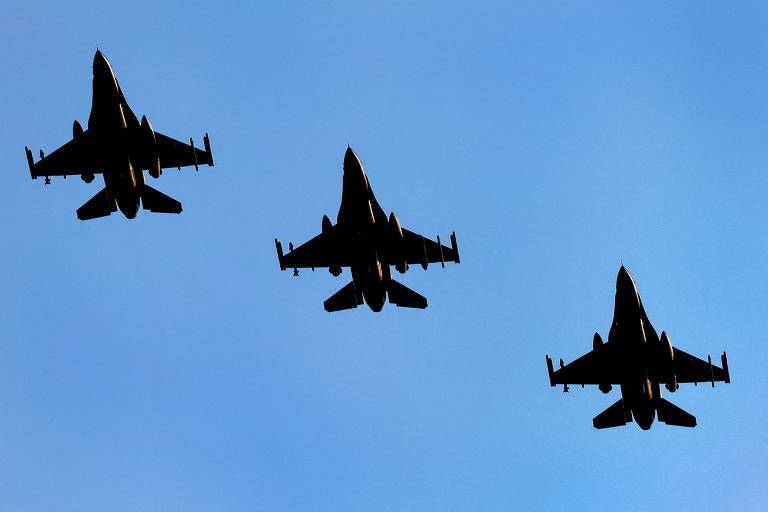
(637, 360)
(119, 147)
(367, 242)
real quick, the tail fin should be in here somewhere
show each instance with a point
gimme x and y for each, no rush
(673, 415)
(158, 202)
(614, 416)
(404, 297)
(99, 205)
(346, 298)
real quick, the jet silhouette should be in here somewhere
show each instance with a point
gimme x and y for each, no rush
(638, 361)
(119, 147)
(367, 242)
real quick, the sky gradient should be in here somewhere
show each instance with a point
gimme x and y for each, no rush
(165, 363)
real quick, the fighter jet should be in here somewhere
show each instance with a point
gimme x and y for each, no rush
(367, 242)
(119, 147)
(638, 361)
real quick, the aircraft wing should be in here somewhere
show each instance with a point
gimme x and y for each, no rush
(423, 250)
(585, 370)
(73, 158)
(322, 251)
(174, 153)
(689, 368)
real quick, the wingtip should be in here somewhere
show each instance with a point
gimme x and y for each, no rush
(279, 248)
(724, 360)
(207, 144)
(30, 162)
(550, 371)
(455, 247)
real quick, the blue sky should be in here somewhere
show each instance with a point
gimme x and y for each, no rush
(165, 363)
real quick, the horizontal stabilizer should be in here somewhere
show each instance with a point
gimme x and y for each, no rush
(99, 205)
(673, 415)
(614, 416)
(158, 202)
(404, 297)
(346, 298)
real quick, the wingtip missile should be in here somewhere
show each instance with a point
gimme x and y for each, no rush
(551, 372)
(31, 162)
(279, 248)
(455, 247)
(724, 360)
(207, 144)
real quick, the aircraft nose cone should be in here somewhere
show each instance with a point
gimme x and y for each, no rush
(623, 273)
(101, 66)
(103, 77)
(351, 161)
(624, 279)
(99, 59)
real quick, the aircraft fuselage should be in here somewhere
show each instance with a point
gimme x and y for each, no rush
(639, 346)
(366, 224)
(115, 128)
